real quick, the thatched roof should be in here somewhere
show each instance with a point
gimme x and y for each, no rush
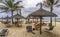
(7, 17)
(42, 13)
(17, 16)
(31, 17)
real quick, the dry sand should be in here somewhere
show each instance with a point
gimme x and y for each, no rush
(21, 32)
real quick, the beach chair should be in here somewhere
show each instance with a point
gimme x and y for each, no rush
(8, 25)
(44, 24)
(50, 28)
(29, 28)
(4, 32)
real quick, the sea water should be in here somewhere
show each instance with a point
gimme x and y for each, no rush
(44, 19)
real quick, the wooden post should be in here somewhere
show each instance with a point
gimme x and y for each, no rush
(40, 25)
(51, 9)
(2, 19)
(28, 19)
(37, 19)
(55, 21)
(33, 20)
(7, 18)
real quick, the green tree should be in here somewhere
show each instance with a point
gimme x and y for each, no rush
(10, 5)
(51, 4)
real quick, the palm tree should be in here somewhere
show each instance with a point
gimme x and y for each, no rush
(10, 5)
(51, 4)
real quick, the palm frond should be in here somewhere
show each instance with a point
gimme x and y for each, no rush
(2, 6)
(37, 4)
(51, 1)
(46, 4)
(17, 3)
(56, 2)
(58, 5)
(10, 5)
(12, 0)
(4, 3)
(20, 6)
(7, 3)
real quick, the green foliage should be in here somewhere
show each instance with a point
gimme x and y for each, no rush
(10, 5)
(51, 2)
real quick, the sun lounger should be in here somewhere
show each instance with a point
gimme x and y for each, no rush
(29, 28)
(4, 32)
(44, 24)
(50, 28)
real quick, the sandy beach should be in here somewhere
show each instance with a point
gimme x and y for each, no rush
(22, 32)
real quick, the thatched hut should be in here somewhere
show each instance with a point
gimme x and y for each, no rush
(42, 13)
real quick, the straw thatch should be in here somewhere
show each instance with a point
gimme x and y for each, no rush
(17, 16)
(7, 17)
(42, 13)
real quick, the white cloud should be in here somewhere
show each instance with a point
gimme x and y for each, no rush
(31, 3)
(30, 7)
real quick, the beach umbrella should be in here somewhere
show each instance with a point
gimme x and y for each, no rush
(28, 18)
(17, 17)
(1, 19)
(6, 18)
(42, 13)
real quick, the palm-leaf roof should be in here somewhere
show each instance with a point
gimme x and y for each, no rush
(42, 13)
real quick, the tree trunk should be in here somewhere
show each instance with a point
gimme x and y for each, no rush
(51, 9)
(12, 16)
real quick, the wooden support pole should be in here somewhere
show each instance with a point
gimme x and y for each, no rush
(55, 21)
(40, 25)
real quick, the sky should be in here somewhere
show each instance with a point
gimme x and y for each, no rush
(30, 6)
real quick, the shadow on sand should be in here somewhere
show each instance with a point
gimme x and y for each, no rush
(50, 34)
